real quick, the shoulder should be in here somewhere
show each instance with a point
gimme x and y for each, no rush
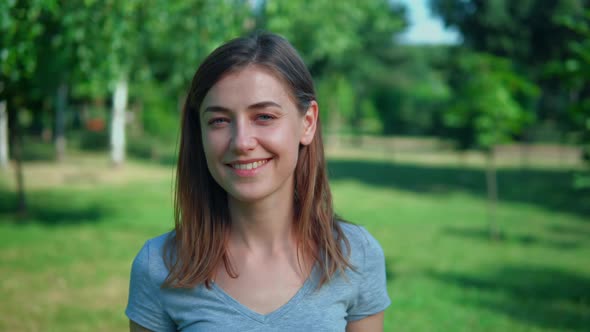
(369, 276)
(149, 261)
(355, 232)
(145, 304)
(362, 244)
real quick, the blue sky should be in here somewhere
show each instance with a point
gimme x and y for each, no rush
(424, 27)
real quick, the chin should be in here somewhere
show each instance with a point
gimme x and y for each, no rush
(247, 193)
(247, 197)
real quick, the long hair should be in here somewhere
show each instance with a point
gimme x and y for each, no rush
(202, 221)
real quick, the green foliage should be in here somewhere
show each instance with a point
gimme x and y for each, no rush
(142, 148)
(196, 28)
(333, 33)
(336, 98)
(91, 140)
(409, 96)
(524, 31)
(37, 150)
(544, 40)
(485, 89)
(574, 71)
(371, 123)
(346, 44)
(88, 46)
(159, 113)
(161, 121)
(20, 29)
(153, 149)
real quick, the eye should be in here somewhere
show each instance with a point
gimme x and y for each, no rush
(265, 117)
(218, 122)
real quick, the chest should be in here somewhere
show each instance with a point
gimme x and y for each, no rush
(262, 287)
(309, 309)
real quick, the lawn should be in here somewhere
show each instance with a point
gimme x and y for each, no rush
(65, 266)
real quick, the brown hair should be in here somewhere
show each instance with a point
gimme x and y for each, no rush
(200, 204)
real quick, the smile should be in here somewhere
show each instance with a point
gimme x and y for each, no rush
(248, 166)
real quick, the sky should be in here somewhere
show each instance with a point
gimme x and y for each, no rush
(425, 28)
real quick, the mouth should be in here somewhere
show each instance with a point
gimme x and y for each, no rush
(248, 165)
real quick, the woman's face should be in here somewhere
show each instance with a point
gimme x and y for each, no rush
(251, 132)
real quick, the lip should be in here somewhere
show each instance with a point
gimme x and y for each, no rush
(248, 172)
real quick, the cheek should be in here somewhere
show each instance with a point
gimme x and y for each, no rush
(212, 145)
(283, 138)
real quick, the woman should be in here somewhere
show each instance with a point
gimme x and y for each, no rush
(257, 246)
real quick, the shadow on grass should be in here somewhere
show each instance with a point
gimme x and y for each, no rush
(551, 189)
(389, 264)
(544, 297)
(569, 230)
(521, 239)
(50, 209)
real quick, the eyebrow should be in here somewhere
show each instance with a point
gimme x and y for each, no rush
(255, 106)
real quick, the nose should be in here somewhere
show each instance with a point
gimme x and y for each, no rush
(243, 139)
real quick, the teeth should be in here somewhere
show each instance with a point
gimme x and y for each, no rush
(250, 166)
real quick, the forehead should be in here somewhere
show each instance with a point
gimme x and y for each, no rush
(246, 86)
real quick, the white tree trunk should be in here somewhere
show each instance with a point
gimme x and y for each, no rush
(60, 112)
(3, 135)
(118, 122)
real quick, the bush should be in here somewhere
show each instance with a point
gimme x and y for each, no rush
(93, 140)
(36, 150)
(151, 148)
(159, 115)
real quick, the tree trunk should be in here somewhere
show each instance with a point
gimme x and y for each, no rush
(20, 182)
(3, 135)
(492, 188)
(118, 122)
(17, 147)
(525, 156)
(60, 110)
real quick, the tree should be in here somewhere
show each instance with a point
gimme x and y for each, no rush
(346, 45)
(484, 109)
(64, 38)
(528, 33)
(20, 30)
(117, 34)
(575, 73)
(409, 97)
(197, 27)
(58, 32)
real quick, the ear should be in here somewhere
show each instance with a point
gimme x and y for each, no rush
(310, 120)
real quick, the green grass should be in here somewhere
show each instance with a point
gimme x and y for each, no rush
(66, 266)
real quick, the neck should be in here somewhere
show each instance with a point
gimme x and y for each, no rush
(266, 225)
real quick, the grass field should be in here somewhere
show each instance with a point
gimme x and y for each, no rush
(66, 266)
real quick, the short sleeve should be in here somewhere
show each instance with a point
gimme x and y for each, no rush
(372, 295)
(144, 306)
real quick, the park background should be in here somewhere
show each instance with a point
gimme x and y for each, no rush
(463, 150)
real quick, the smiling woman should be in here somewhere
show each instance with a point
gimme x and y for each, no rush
(256, 246)
(258, 125)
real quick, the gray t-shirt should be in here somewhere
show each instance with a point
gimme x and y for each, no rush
(348, 297)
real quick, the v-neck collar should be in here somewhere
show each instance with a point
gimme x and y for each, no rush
(308, 285)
